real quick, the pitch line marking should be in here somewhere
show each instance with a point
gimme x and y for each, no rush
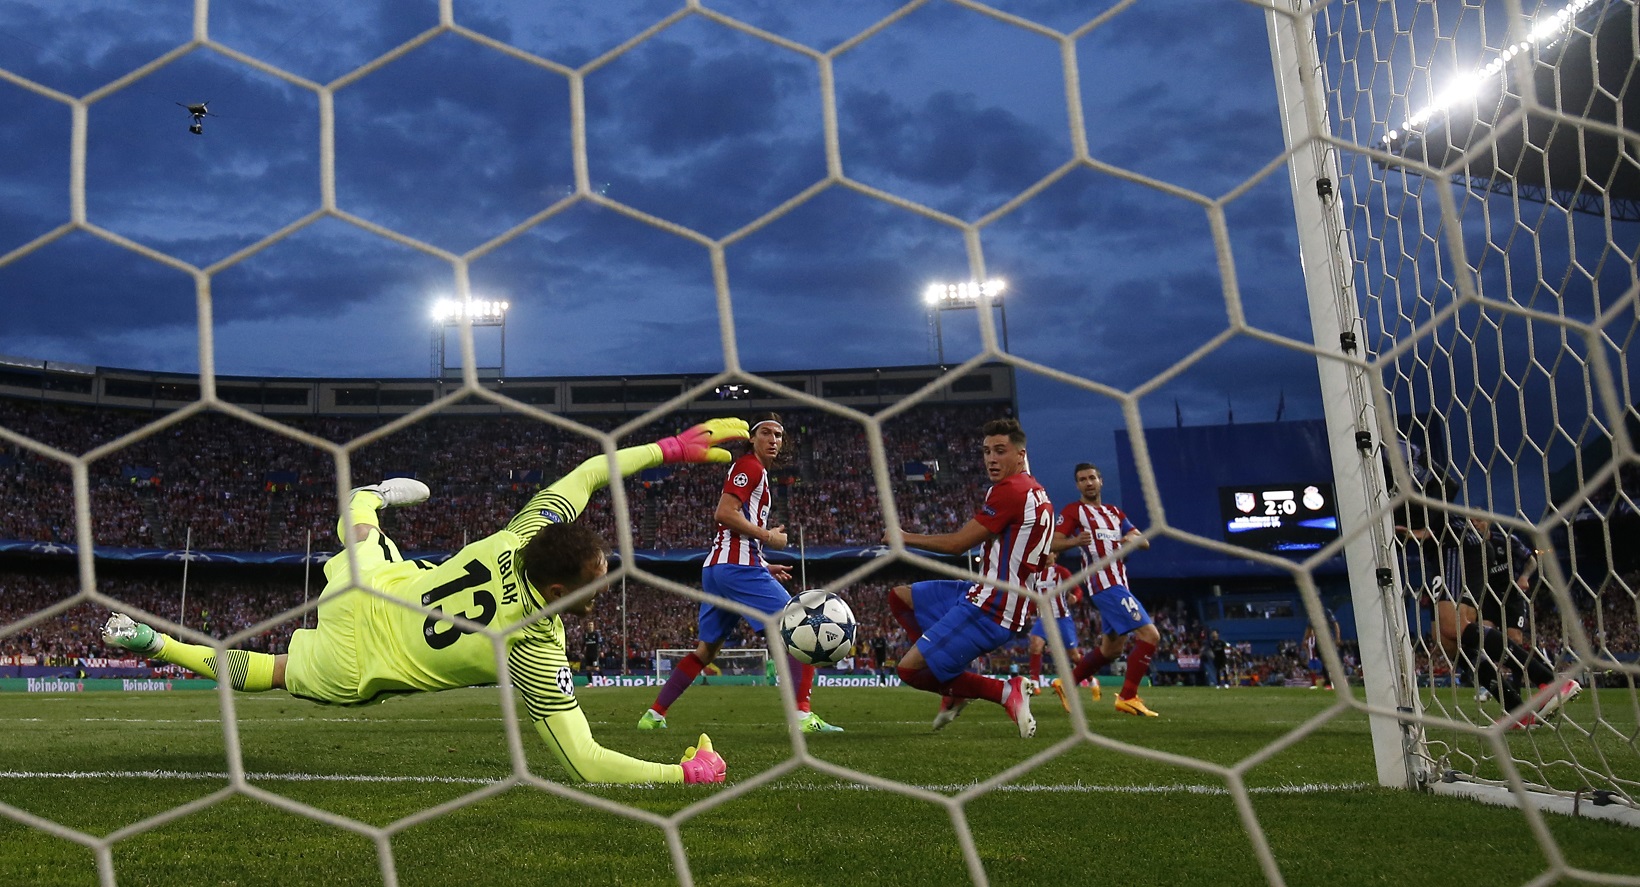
(1050, 788)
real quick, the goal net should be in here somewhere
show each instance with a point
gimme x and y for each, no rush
(1481, 206)
(733, 661)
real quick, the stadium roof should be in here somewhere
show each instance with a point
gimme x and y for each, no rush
(1538, 158)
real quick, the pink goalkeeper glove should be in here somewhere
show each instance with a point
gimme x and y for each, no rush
(701, 764)
(700, 443)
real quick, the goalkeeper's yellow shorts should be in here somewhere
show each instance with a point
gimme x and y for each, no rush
(323, 663)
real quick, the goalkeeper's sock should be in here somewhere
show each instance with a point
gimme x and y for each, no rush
(1138, 665)
(683, 674)
(906, 616)
(1090, 665)
(247, 671)
(805, 683)
(1036, 667)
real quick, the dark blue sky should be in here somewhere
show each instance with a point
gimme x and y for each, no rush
(456, 143)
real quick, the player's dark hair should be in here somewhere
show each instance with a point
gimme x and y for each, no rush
(767, 417)
(1086, 466)
(1010, 427)
(559, 554)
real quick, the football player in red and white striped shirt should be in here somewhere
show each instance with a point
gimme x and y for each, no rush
(1100, 530)
(1014, 527)
(735, 569)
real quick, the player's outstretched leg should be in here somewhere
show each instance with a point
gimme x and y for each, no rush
(247, 671)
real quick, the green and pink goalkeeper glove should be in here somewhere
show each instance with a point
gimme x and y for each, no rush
(700, 443)
(700, 763)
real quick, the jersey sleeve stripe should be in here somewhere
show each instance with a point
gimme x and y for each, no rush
(534, 669)
(530, 519)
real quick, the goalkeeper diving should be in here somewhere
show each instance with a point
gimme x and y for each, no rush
(366, 648)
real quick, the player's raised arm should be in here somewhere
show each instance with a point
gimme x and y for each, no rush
(559, 721)
(567, 496)
(962, 539)
(560, 562)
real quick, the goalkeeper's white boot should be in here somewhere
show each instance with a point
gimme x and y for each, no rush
(128, 634)
(397, 492)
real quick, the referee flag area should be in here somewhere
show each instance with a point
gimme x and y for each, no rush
(100, 763)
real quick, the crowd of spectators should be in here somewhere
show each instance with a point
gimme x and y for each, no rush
(214, 483)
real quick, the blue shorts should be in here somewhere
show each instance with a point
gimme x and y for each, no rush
(962, 634)
(933, 598)
(752, 586)
(1067, 630)
(1120, 610)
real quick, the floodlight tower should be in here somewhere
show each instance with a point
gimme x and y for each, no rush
(447, 314)
(943, 297)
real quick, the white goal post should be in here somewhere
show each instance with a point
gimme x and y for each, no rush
(737, 661)
(1468, 208)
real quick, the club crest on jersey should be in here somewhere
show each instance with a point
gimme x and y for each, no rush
(566, 681)
(741, 479)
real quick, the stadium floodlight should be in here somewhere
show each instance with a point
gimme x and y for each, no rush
(942, 297)
(1467, 86)
(447, 314)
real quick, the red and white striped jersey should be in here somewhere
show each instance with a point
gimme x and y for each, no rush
(1048, 580)
(1017, 510)
(1108, 526)
(748, 482)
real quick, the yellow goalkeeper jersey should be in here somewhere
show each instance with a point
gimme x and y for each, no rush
(368, 647)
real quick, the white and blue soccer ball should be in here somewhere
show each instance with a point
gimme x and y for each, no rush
(818, 628)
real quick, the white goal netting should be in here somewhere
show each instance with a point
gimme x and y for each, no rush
(1492, 233)
(1494, 302)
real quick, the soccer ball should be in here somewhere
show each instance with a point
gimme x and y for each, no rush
(818, 628)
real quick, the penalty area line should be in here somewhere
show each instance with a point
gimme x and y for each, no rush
(948, 788)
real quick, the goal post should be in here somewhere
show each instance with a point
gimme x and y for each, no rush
(1348, 403)
(1468, 209)
(733, 661)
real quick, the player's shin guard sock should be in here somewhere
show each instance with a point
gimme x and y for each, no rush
(904, 615)
(1036, 667)
(922, 679)
(1090, 665)
(1138, 665)
(1537, 671)
(247, 671)
(683, 674)
(805, 682)
(969, 685)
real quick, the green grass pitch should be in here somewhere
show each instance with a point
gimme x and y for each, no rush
(101, 762)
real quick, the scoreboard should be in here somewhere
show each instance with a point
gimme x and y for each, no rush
(1291, 519)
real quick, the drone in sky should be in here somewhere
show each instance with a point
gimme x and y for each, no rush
(199, 112)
